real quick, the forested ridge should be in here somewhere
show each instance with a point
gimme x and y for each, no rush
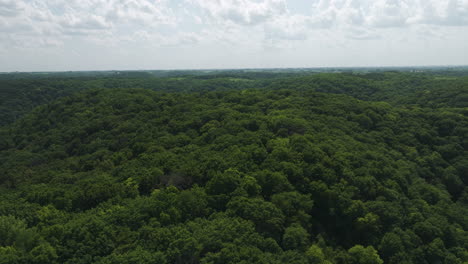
(230, 168)
(20, 96)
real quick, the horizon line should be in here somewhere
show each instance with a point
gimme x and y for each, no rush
(251, 68)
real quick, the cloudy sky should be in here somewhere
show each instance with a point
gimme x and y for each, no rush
(62, 35)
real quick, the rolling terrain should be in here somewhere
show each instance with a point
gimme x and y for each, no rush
(235, 168)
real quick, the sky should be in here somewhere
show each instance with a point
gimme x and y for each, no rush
(72, 35)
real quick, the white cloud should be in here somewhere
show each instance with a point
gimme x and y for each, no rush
(362, 34)
(392, 13)
(444, 13)
(10, 8)
(79, 18)
(225, 26)
(144, 12)
(83, 25)
(243, 12)
(294, 27)
(152, 40)
(388, 13)
(272, 19)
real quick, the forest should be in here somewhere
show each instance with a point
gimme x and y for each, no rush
(234, 167)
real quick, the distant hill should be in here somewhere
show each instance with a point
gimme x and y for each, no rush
(20, 96)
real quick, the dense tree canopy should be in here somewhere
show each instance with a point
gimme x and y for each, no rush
(327, 168)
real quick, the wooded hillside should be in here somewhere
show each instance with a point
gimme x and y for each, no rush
(326, 168)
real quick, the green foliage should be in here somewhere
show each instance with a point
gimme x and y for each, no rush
(234, 168)
(364, 255)
(43, 254)
(10, 229)
(295, 238)
(10, 255)
(316, 256)
(265, 215)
